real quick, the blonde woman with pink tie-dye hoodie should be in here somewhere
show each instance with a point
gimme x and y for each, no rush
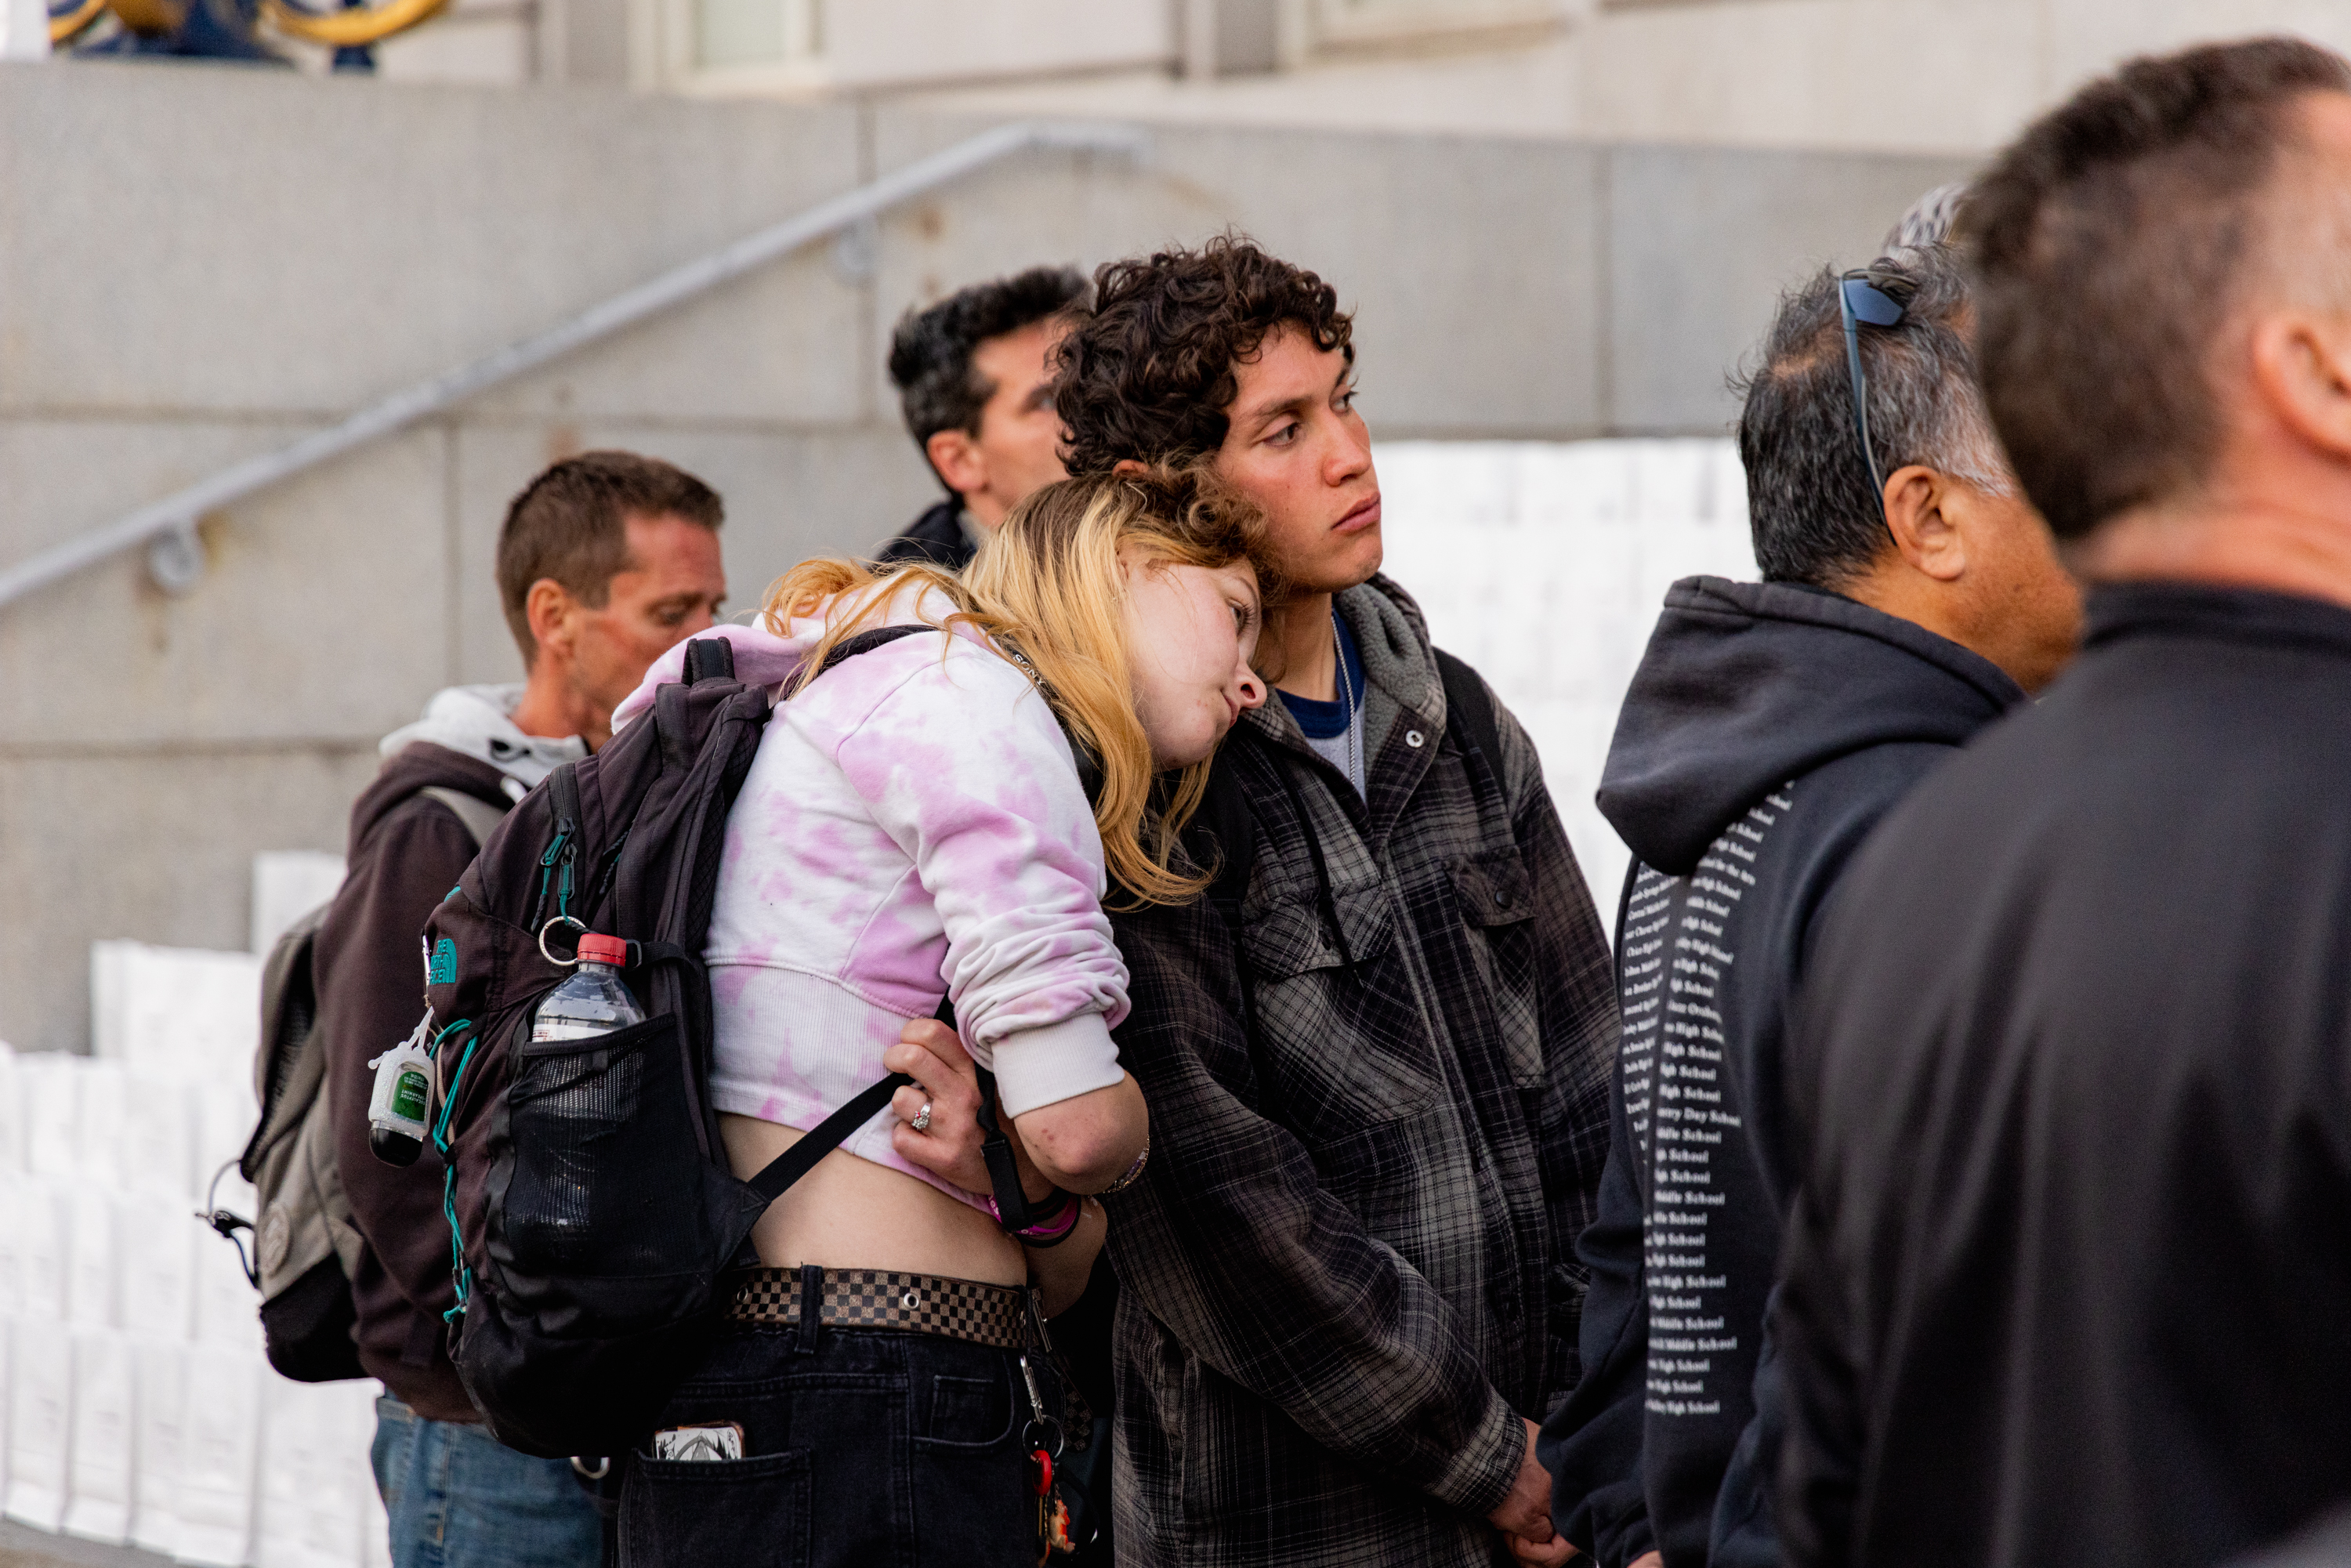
(917, 824)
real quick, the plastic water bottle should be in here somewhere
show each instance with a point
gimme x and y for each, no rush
(594, 1000)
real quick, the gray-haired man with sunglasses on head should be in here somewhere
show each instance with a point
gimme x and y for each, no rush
(1910, 596)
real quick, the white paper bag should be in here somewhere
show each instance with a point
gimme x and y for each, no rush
(32, 1249)
(40, 1421)
(12, 1114)
(155, 1278)
(287, 886)
(220, 1437)
(90, 1258)
(5, 1354)
(160, 1131)
(51, 1087)
(98, 1504)
(175, 1012)
(101, 1123)
(161, 1375)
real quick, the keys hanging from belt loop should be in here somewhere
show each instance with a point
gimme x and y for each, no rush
(1039, 1424)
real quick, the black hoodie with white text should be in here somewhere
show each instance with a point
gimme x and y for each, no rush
(1768, 728)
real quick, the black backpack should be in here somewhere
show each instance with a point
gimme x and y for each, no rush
(593, 1209)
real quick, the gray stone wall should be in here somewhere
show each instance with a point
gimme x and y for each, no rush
(198, 264)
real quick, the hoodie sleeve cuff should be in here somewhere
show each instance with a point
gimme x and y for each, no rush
(1058, 1061)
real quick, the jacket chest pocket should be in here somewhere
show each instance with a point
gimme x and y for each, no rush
(1497, 899)
(1337, 1039)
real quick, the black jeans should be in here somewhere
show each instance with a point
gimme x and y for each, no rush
(865, 1447)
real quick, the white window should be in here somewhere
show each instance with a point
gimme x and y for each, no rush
(732, 33)
(754, 46)
(1346, 22)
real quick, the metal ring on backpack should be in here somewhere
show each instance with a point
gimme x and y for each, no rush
(570, 963)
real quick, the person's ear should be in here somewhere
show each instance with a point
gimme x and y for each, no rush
(1130, 465)
(552, 613)
(1922, 512)
(957, 458)
(2302, 369)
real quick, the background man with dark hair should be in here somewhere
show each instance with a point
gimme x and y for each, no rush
(605, 562)
(975, 383)
(1768, 728)
(2070, 1265)
(1379, 1068)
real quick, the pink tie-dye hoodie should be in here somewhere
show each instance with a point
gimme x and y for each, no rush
(912, 824)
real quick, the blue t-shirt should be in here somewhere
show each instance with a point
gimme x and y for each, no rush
(1327, 727)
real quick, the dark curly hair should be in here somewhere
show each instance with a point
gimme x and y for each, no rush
(1147, 374)
(931, 350)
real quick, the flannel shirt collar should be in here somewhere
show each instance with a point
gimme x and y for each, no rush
(1404, 698)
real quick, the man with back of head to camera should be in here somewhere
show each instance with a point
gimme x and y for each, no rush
(605, 561)
(1910, 597)
(975, 381)
(2069, 1267)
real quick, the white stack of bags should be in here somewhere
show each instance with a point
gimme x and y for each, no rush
(1544, 564)
(138, 1406)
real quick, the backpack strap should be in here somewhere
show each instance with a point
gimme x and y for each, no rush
(866, 642)
(480, 818)
(709, 659)
(827, 1136)
(288, 1074)
(1225, 814)
(1469, 703)
(1013, 1207)
(1013, 1210)
(824, 1138)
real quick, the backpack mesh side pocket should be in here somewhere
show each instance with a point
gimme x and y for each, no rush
(595, 1126)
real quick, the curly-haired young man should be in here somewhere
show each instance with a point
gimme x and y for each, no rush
(1378, 1054)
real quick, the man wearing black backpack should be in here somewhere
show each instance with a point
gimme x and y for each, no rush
(1377, 1054)
(604, 562)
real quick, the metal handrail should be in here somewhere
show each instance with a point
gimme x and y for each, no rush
(168, 526)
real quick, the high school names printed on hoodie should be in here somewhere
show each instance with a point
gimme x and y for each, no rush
(1675, 960)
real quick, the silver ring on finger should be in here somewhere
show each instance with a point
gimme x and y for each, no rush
(922, 1122)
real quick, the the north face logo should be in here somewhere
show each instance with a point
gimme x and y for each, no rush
(443, 970)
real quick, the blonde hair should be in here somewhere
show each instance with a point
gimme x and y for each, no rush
(1048, 595)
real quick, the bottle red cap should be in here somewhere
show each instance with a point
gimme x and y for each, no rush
(598, 949)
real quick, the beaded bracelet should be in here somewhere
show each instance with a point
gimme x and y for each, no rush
(1132, 1175)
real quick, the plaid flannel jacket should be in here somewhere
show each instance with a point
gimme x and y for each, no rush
(1349, 1267)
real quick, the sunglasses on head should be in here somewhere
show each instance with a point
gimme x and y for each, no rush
(1859, 301)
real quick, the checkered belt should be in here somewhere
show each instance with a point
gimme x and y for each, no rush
(876, 1299)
